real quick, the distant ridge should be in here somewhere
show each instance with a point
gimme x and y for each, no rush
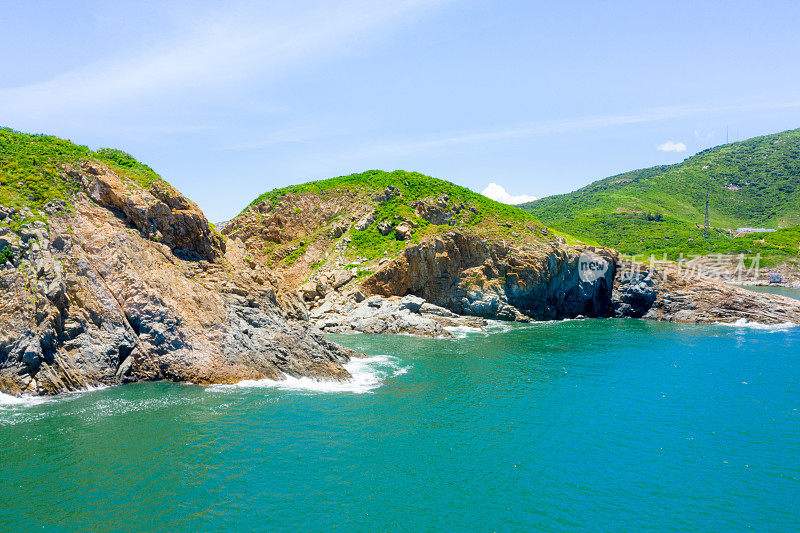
(751, 183)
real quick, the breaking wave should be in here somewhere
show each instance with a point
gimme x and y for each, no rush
(749, 324)
(9, 400)
(368, 373)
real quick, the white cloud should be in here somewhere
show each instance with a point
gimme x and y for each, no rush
(496, 192)
(671, 146)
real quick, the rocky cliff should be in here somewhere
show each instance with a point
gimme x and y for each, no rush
(476, 276)
(109, 275)
(403, 234)
(665, 292)
(342, 243)
(125, 283)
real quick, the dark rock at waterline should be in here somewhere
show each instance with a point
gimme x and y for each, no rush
(634, 294)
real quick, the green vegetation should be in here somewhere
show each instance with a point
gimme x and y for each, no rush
(672, 237)
(473, 210)
(419, 186)
(30, 166)
(295, 254)
(6, 255)
(753, 183)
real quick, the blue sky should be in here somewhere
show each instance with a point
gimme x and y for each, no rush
(229, 99)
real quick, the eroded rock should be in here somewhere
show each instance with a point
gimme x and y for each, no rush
(96, 302)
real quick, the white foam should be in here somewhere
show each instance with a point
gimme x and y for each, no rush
(498, 326)
(27, 399)
(749, 324)
(461, 332)
(492, 327)
(90, 388)
(368, 373)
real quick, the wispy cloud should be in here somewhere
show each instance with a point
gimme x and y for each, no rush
(585, 123)
(671, 146)
(497, 192)
(218, 50)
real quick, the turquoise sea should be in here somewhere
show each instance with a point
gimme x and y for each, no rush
(791, 292)
(597, 425)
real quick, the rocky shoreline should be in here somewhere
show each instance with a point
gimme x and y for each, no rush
(664, 292)
(129, 283)
(409, 315)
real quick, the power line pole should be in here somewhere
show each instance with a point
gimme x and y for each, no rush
(708, 223)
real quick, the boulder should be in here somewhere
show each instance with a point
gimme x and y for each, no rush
(434, 310)
(435, 213)
(384, 227)
(411, 303)
(340, 278)
(388, 193)
(365, 222)
(403, 231)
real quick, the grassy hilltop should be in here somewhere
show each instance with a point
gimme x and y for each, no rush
(753, 183)
(318, 206)
(30, 166)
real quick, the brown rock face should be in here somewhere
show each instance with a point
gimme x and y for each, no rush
(294, 217)
(666, 293)
(161, 213)
(475, 276)
(433, 212)
(93, 301)
(403, 231)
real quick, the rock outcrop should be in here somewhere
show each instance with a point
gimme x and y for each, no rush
(397, 235)
(133, 284)
(161, 213)
(412, 238)
(472, 275)
(664, 292)
(408, 315)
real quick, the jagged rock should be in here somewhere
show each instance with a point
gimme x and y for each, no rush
(664, 292)
(162, 209)
(403, 231)
(388, 193)
(469, 274)
(111, 306)
(388, 315)
(384, 227)
(365, 222)
(435, 213)
(634, 293)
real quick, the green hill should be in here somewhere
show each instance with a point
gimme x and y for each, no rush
(31, 165)
(753, 183)
(284, 224)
